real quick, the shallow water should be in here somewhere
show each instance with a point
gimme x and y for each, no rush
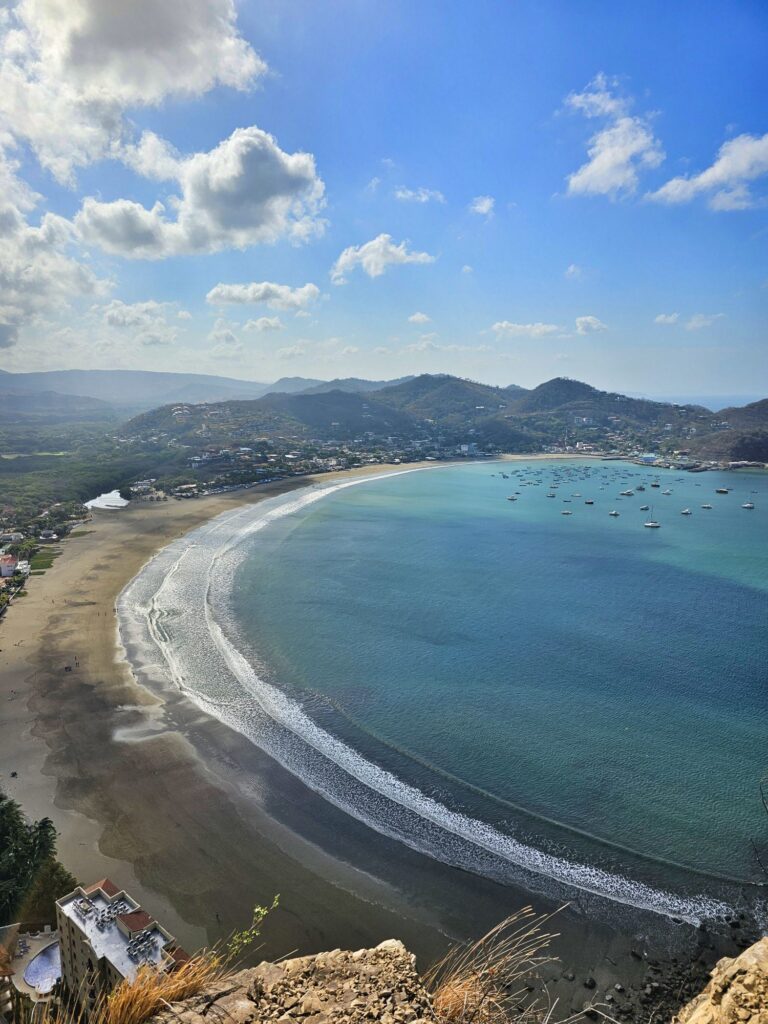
(492, 681)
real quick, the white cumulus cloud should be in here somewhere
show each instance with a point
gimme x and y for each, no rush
(589, 325)
(739, 161)
(40, 272)
(276, 296)
(374, 257)
(419, 318)
(666, 319)
(264, 323)
(70, 68)
(617, 152)
(482, 205)
(147, 321)
(245, 191)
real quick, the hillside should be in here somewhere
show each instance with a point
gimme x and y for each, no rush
(747, 417)
(431, 404)
(30, 408)
(347, 384)
(335, 414)
(445, 409)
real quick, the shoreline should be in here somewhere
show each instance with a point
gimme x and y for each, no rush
(175, 807)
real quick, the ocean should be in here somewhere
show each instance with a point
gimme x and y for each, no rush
(568, 702)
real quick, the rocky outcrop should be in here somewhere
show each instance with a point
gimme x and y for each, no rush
(339, 987)
(737, 993)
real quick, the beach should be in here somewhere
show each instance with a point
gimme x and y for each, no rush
(198, 823)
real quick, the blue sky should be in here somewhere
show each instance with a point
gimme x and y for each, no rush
(505, 191)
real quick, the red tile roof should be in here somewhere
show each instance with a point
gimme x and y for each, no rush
(136, 920)
(106, 885)
(180, 956)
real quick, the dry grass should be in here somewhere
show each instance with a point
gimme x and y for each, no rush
(134, 1002)
(488, 982)
(151, 992)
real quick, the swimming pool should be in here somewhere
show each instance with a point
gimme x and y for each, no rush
(44, 970)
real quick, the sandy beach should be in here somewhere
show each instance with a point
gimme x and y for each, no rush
(195, 821)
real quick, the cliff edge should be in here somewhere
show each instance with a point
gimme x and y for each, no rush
(339, 987)
(737, 992)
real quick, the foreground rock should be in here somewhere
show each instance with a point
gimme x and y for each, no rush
(737, 993)
(378, 984)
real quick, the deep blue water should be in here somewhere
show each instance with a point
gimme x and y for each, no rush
(579, 670)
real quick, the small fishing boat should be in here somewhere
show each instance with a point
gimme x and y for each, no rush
(722, 490)
(706, 506)
(566, 512)
(748, 504)
(686, 512)
(644, 508)
(589, 501)
(614, 513)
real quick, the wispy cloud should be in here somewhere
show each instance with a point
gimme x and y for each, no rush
(419, 195)
(701, 320)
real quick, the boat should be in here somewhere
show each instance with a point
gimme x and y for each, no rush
(748, 504)
(686, 512)
(644, 508)
(655, 485)
(511, 498)
(706, 506)
(668, 491)
(627, 494)
(551, 495)
(589, 501)
(722, 490)
(613, 512)
(566, 512)
(651, 523)
(640, 487)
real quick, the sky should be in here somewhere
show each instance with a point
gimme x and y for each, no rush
(506, 191)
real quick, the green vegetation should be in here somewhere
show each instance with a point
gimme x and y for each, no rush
(31, 878)
(44, 559)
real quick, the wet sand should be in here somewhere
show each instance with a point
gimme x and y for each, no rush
(198, 823)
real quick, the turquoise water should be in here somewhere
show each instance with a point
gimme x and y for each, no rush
(580, 680)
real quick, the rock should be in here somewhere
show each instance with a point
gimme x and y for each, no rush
(590, 983)
(737, 992)
(336, 987)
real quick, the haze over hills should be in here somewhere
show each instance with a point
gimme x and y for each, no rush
(133, 391)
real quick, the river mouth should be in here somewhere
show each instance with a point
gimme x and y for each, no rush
(184, 618)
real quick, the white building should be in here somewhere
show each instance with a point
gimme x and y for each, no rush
(104, 937)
